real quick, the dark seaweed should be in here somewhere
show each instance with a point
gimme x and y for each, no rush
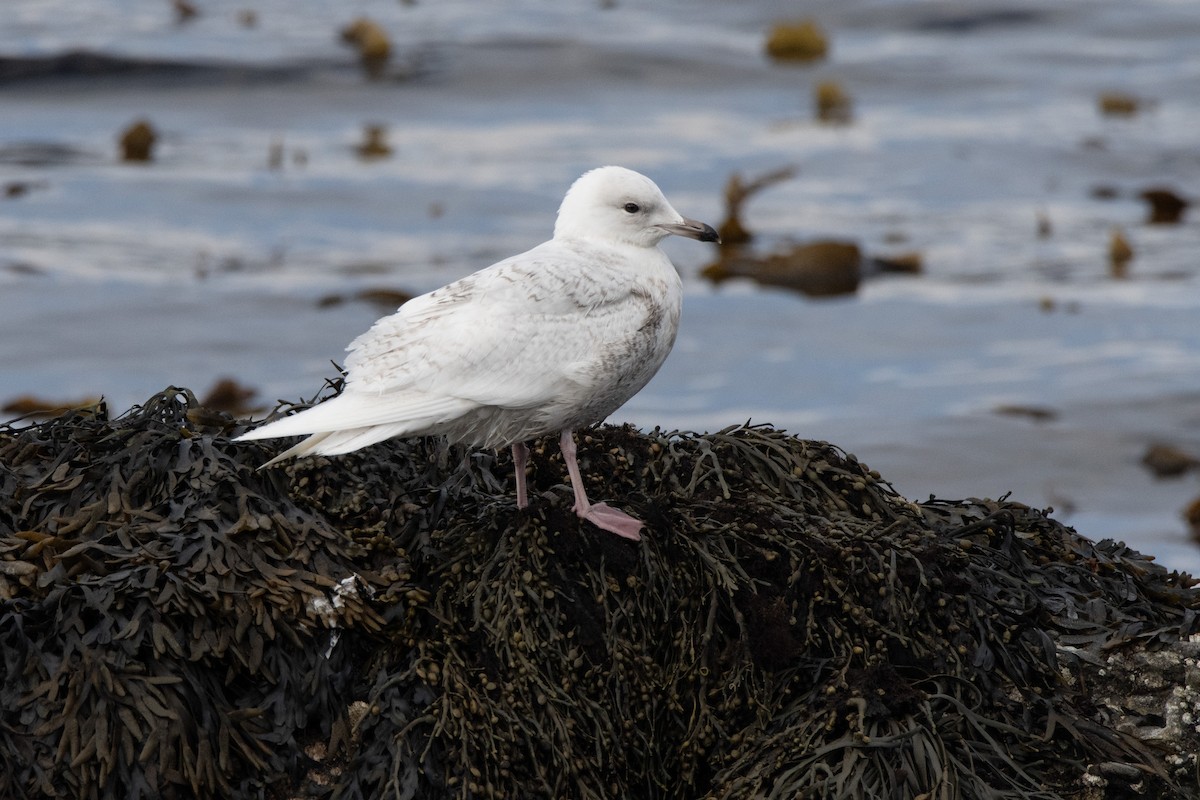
(789, 626)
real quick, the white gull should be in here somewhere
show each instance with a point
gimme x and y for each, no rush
(547, 341)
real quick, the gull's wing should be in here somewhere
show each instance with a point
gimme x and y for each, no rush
(514, 335)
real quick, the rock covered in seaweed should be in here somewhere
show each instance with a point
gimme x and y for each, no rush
(160, 622)
(386, 624)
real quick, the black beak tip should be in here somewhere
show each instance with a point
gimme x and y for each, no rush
(709, 234)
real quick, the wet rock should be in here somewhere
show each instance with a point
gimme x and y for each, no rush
(137, 142)
(1168, 461)
(832, 104)
(802, 41)
(817, 269)
(1154, 697)
(1166, 207)
(388, 624)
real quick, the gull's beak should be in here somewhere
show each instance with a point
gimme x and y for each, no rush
(693, 230)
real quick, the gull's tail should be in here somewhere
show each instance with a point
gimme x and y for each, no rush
(352, 421)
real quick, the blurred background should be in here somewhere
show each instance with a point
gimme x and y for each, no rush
(959, 238)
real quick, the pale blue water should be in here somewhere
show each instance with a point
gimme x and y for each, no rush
(970, 122)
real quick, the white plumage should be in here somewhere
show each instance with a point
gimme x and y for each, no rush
(546, 341)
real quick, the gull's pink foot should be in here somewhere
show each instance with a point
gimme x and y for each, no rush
(607, 518)
(602, 515)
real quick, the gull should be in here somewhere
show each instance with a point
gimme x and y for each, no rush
(548, 341)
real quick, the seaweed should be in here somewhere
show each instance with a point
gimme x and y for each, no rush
(160, 635)
(177, 623)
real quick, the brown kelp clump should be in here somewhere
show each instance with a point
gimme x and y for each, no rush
(737, 192)
(137, 141)
(166, 611)
(803, 41)
(372, 42)
(387, 624)
(824, 268)
(832, 104)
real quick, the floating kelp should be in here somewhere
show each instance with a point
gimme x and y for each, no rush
(374, 144)
(737, 192)
(387, 624)
(14, 189)
(1168, 461)
(832, 104)
(1119, 104)
(803, 41)
(1120, 253)
(1031, 413)
(137, 141)
(384, 298)
(1166, 206)
(28, 405)
(907, 263)
(823, 268)
(185, 11)
(230, 396)
(372, 42)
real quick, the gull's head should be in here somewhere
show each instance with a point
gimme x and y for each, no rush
(618, 205)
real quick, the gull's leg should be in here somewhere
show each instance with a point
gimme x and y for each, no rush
(601, 515)
(520, 459)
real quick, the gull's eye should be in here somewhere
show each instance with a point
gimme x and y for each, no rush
(632, 208)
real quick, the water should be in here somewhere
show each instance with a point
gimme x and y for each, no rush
(970, 124)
